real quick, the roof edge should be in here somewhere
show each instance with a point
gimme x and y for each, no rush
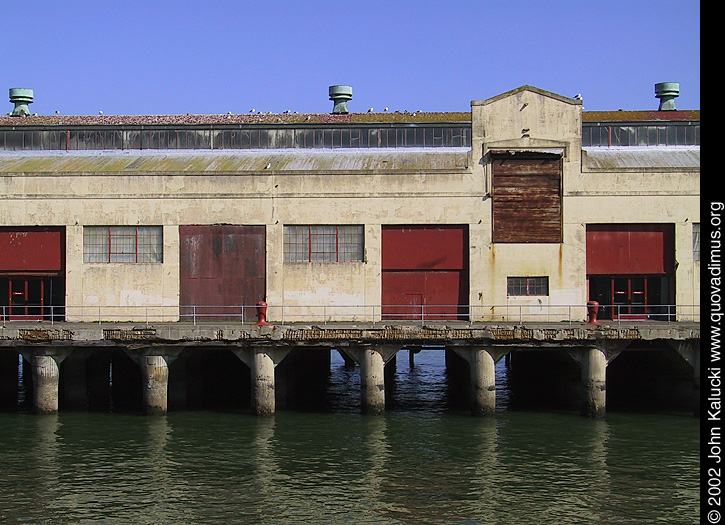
(527, 87)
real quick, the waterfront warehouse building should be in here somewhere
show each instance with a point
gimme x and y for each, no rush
(526, 208)
(156, 261)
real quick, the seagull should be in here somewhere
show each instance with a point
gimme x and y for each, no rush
(370, 110)
(269, 165)
(252, 110)
(578, 96)
(386, 109)
(57, 112)
(100, 112)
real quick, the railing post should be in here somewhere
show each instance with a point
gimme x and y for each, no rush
(193, 314)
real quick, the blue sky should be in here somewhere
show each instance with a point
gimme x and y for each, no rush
(176, 57)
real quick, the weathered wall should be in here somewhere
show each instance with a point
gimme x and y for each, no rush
(367, 187)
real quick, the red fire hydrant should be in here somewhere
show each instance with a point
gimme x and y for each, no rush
(261, 313)
(592, 312)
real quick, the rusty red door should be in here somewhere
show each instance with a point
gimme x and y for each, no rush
(222, 271)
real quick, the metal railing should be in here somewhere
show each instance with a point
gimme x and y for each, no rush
(299, 313)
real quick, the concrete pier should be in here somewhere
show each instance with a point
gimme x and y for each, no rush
(46, 375)
(594, 383)
(482, 380)
(125, 367)
(263, 387)
(262, 362)
(372, 381)
(372, 360)
(155, 374)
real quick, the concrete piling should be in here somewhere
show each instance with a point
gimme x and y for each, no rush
(372, 381)
(155, 374)
(483, 382)
(46, 376)
(481, 363)
(594, 383)
(263, 387)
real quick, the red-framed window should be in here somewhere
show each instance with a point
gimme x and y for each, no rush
(527, 286)
(325, 243)
(123, 244)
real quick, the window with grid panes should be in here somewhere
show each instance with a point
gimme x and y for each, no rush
(324, 243)
(527, 286)
(123, 244)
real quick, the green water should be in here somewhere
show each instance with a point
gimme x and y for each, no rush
(419, 463)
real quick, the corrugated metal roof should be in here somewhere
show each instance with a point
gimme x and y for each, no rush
(633, 157)
(156, 161)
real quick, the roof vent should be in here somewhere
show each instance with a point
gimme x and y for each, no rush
(21, 97)
(340, 95)
(667, 92)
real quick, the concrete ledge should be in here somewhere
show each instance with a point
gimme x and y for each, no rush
(453, 333)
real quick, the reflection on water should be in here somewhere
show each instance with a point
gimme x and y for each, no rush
(419, 463)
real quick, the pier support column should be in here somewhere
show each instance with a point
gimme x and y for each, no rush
(155, 374)
(262, 362)
(482, 362)
(593, 362)
(263, 387)
(594, 382)
(154, 362)
(372, 360)
(46, 378)
(372, 381)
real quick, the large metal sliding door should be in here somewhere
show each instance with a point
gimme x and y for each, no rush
(222, 271)
(425, 272)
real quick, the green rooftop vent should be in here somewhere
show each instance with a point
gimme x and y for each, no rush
(667, 92)
(21, 97)
(340, 95)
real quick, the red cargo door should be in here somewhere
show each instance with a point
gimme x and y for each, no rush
(222, 271)
(630, 270)
(32, 262)
(425, 272)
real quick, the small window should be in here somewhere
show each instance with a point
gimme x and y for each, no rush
(528, 286)
(123, 244)
(323, 243)
(696, 241)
